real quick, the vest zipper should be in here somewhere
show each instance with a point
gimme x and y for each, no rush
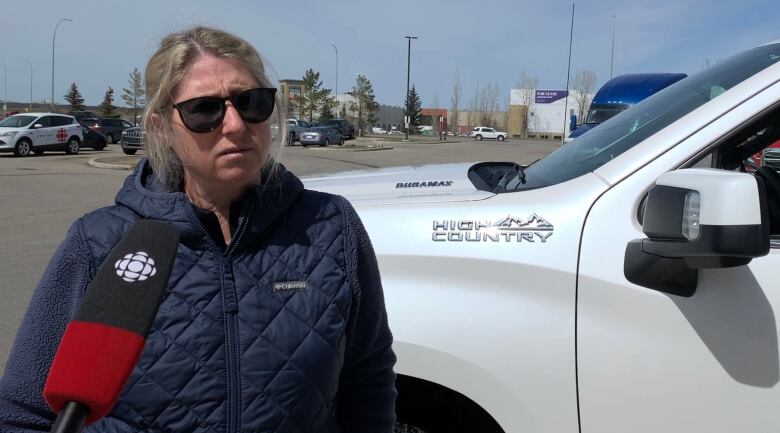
(230, 303)
(230, 310)
(233, 355)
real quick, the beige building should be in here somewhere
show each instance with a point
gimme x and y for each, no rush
(290, 92)
(467, 120)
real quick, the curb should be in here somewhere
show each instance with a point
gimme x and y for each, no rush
(97, 164)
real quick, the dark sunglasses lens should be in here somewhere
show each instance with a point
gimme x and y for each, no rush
(202, 114)
(255, 105)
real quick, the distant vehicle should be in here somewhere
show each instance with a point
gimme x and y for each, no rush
(132, 140)
(380, 131)
(81, 115)
(481, 132)
(769, 157)
(619, 94)
(345, 128)
(395, 132)
(321, 135)
(110, 128)
(294, 129)
(36, 133)
(92, 138)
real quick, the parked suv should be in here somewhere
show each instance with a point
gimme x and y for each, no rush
(345, 128)
(81, 115)
(132, 140)
(38, 132)
(481, 132)
(110, 128)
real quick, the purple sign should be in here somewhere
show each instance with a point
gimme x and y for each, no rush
(548, 96)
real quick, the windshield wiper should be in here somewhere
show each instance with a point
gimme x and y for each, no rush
(511, 179)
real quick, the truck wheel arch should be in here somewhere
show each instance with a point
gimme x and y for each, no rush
(435, 408)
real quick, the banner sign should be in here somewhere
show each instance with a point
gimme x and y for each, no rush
(548, 96)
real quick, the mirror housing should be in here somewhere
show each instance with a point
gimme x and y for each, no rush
(37, 126)
(697, 219)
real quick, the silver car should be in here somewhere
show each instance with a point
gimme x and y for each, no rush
(321, 135)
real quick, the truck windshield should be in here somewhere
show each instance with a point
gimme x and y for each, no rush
(601, 113)
(632, 126)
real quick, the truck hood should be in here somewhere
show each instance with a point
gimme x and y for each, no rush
(396, 185)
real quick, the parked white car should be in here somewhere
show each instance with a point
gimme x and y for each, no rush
(626, 282)
(36, 133)
(375, 130)
(483, 132)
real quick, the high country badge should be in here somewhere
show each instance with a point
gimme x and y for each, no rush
(509, 229)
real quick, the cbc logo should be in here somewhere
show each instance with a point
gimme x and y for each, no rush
(135, 267)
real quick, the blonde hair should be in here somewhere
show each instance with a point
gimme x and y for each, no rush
(165, 71)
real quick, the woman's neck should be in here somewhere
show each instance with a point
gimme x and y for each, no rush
(217, 202)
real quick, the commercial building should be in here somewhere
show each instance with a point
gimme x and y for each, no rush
(539, 113)
(290, 92)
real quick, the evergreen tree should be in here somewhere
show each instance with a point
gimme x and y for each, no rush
(74, 98)
(314, 96)
(327, 111)
(106, 108)
(364, 105)
(413, 109)
(134, 93)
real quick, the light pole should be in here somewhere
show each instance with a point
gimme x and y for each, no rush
(54, 38)
(408, 67)
(31, 79)
(612, 58)
(5, 75)
(568, 75)
(337, 75)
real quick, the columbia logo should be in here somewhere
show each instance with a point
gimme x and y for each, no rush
(135, 267)
(281, 286)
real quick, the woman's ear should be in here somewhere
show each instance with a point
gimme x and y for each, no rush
(155, 120)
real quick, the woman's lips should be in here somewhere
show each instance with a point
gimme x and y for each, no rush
(235, 151)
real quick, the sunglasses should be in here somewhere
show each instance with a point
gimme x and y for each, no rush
(206, 113)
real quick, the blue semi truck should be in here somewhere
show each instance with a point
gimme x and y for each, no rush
(619, 94)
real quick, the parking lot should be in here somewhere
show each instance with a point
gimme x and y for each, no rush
(42, 195)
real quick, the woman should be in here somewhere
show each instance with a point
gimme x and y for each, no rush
(274, 318)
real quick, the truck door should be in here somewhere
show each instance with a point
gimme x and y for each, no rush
(655, 362)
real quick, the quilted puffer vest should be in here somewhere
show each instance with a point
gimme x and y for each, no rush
(248, 339)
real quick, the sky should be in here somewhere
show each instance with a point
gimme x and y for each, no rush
(483, 41)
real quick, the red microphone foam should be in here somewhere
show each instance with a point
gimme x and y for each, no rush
(91, 366)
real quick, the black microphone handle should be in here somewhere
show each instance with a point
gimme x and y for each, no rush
(71, 418)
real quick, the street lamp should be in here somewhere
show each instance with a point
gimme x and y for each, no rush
(31, 79)
(612, 58)
(568, 75)
(337, 73)
(408, 63)
(5, 75)
(54, 38)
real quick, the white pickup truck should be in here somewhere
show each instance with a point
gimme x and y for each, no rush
(628, 282)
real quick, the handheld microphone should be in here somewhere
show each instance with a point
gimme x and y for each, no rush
(103, 341)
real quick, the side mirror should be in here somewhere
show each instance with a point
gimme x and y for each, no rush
(697, 219)
(37, 126)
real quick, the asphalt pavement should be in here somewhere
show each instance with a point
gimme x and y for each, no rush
(42, 195)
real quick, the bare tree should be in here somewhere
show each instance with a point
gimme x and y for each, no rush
(583, 84)
(527, 86)
(487, 104)
(456, 93)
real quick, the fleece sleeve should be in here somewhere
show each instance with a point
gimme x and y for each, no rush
(22, 408)
(366, 396)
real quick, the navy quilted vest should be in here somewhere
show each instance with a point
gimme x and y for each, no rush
(234, 348)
